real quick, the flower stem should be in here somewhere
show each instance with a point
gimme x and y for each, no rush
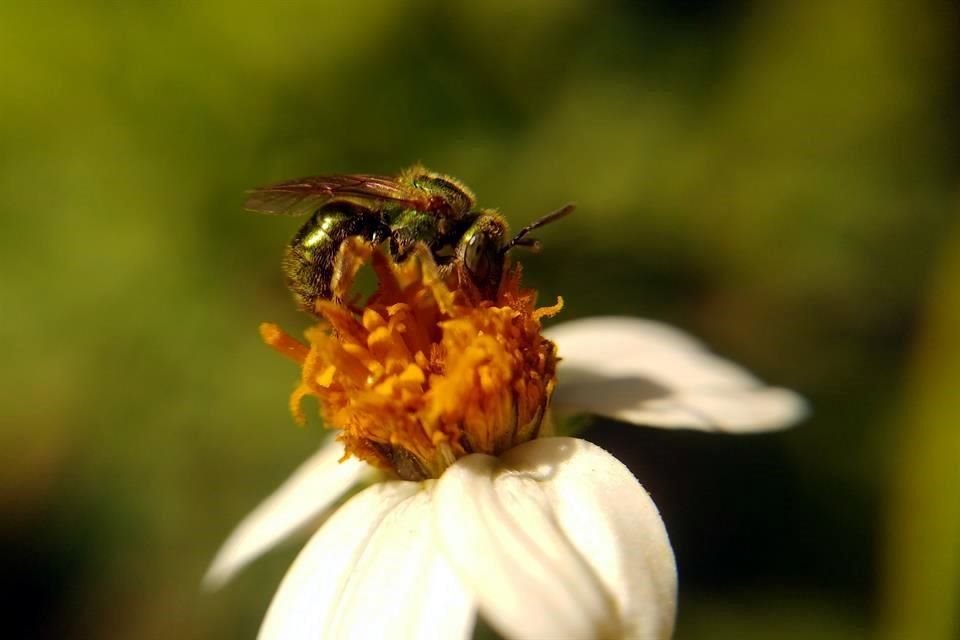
(922, 590)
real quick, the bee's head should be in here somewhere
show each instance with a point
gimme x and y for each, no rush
(452, 196)
(480, 251)
(483, 248)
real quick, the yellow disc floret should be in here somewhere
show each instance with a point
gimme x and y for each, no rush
(425, 372)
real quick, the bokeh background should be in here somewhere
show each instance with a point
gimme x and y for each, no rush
(779, 178)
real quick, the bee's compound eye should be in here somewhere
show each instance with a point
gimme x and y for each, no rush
(477, 256)
(483, 262)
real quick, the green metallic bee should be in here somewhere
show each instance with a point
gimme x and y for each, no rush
(418, 206)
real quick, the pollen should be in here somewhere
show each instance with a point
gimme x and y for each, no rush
(426, 371)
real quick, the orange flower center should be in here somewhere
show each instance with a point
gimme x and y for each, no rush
(425, 372)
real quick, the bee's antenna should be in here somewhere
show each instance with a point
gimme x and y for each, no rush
(520, 240)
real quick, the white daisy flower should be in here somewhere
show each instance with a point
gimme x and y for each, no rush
(483, 512)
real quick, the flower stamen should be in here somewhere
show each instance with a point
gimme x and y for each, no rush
(425, 372)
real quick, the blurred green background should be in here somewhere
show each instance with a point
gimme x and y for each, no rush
(779, 178)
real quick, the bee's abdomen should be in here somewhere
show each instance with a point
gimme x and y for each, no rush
(309, 258)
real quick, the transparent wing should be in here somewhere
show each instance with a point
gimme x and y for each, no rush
(306, 195)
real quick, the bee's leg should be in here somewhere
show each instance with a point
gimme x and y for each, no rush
(378, 233)
(401, 244)
(445, 270)
(409, 228)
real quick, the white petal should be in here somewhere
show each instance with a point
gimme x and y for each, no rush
(557, 539)
(373, 570)
(312, 489)
(651, 374)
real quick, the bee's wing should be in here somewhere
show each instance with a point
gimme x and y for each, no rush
(306, 195)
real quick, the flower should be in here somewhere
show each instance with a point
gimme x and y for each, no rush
(423, 375)
(447, 395)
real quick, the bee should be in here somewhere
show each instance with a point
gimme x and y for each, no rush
(417, 206)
